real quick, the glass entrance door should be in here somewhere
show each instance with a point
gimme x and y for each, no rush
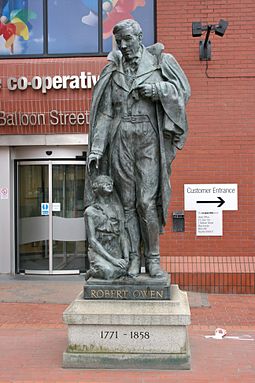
(67, 222)
(50, 225)
(33, 228)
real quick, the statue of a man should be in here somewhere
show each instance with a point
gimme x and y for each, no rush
(138, 121)
(108, 245)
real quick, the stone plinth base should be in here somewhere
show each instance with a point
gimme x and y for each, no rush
(128, 334)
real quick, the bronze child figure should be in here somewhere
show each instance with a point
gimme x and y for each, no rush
(108, 246)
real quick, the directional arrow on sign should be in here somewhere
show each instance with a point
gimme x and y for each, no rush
(214, 197)
(220, 201)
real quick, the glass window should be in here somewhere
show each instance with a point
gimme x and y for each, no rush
(21, 27)
(72, 28)
(115, 11)
(68, 27)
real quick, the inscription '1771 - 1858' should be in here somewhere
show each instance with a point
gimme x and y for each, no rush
(130, 334)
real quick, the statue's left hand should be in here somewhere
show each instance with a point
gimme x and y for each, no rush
(120, 263)
(145, 90)
(93, 157)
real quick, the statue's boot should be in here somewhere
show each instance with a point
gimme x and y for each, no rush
(150, 232)
(153, 266)
(134, 266)
(133, 231)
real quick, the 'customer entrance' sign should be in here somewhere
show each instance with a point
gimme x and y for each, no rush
(213, 197)
(209, 200)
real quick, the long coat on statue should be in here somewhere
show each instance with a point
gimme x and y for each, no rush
(168, 116)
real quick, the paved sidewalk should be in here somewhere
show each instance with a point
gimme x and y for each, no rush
(33, 337)
(56, 289)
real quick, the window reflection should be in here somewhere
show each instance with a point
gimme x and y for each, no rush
(116, 10)
(67, 31)
(72, 26)
(21, 27)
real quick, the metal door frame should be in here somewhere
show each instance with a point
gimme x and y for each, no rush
(50, 164)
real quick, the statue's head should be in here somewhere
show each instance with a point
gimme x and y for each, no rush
(102, 185)
(128, 35)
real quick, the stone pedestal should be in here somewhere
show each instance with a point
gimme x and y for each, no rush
(128, 334)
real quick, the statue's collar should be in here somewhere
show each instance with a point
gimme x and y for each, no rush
(154, 50)
(115, 56)
(148, 60)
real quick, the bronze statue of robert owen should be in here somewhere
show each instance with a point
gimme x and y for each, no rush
(137, 123)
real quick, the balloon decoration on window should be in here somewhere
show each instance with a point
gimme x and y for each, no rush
(116, 11)
(14, 22)
(113, 12)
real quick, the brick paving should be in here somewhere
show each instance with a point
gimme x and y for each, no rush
(33, 338)
(40, 289)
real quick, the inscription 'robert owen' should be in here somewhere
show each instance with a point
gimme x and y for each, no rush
(125, 294)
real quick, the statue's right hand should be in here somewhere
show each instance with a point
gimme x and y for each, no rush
(93, 157)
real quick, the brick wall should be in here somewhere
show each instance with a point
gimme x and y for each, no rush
(220, 146)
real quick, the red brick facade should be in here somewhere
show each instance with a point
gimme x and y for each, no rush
(221, 143)
(220, 147)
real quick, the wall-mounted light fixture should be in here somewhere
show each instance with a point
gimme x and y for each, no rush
(205, 46)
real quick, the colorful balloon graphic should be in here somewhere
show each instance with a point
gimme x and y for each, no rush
(121, 9)
(15, 23)
(113, 12)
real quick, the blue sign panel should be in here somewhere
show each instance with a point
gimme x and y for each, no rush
(45, 208)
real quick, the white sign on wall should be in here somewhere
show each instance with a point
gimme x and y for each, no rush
(209, 200)
(213, 197)
(209, 223)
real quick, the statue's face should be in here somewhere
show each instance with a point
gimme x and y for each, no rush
(106, 187)
(128, 42)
